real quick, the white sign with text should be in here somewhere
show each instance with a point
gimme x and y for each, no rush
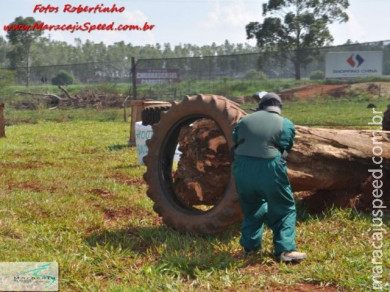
(353, 64)
(143, 133)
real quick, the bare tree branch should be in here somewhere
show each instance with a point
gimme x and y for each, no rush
(66, 92)
(41, 94)
(124, 108)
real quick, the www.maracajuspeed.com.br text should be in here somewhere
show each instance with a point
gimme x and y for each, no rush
(86, 27)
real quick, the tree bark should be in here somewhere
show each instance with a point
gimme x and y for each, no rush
(343, 168)
(329, 159)
(204, 167)
(297, 65)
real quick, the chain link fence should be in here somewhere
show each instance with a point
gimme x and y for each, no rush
(84, 73)
(216, 71)
(171, 77)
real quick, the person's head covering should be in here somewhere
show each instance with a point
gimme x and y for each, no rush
(259, 95)
(271, 102)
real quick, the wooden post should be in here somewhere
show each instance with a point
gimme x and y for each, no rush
(136, 115)
(2, 123)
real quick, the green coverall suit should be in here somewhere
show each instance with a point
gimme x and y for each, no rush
(261, 179)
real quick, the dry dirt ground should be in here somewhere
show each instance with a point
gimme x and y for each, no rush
(311, 91)
(336, 90)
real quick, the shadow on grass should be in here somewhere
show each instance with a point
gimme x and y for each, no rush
(305, 214)
(117, 147)
(169, 252)
(126, 166)
(176, 252)
(140, 239)
(124, 238)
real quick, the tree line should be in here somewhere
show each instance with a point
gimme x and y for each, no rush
(47, 52)
(292, 41)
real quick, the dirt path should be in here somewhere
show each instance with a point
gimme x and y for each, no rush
(336, 90)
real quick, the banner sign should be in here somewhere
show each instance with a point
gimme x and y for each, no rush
(353, 64)
(143, 133)
(156, 76)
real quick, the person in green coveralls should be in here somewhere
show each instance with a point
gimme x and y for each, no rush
(263, 140)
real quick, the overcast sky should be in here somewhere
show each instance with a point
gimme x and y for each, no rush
(198, 22)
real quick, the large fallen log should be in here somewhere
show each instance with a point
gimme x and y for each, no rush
(341, 167)
(330, 159)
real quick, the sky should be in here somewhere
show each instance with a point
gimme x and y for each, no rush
(197, 22)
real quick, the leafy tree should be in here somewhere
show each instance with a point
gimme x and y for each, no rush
(167, 52)
(6, 78)
(63, 78)
(15, 56)
(297, 27)
(24, 37)
(253, 74)
(4, 47)
(317, 75)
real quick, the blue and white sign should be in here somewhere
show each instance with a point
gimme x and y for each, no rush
(353, 64)
(143, 133)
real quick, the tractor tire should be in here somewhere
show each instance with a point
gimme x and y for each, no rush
(159, 161)
(152, 115)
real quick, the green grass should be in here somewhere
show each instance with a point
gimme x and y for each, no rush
(347, 112)
(350, 111)
(72, 192)
(62, 115)
(223, 87)
(335, 112)
(8, 93)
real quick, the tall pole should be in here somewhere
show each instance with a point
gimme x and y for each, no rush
(133, 103)
(134, 77)
(28, 67)
(2, 123)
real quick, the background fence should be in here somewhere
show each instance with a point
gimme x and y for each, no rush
(216, 72)
(206, 69)
(85, 73)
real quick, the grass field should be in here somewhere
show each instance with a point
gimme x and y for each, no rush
(224, 87)
(71, 191)
(329, 112)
